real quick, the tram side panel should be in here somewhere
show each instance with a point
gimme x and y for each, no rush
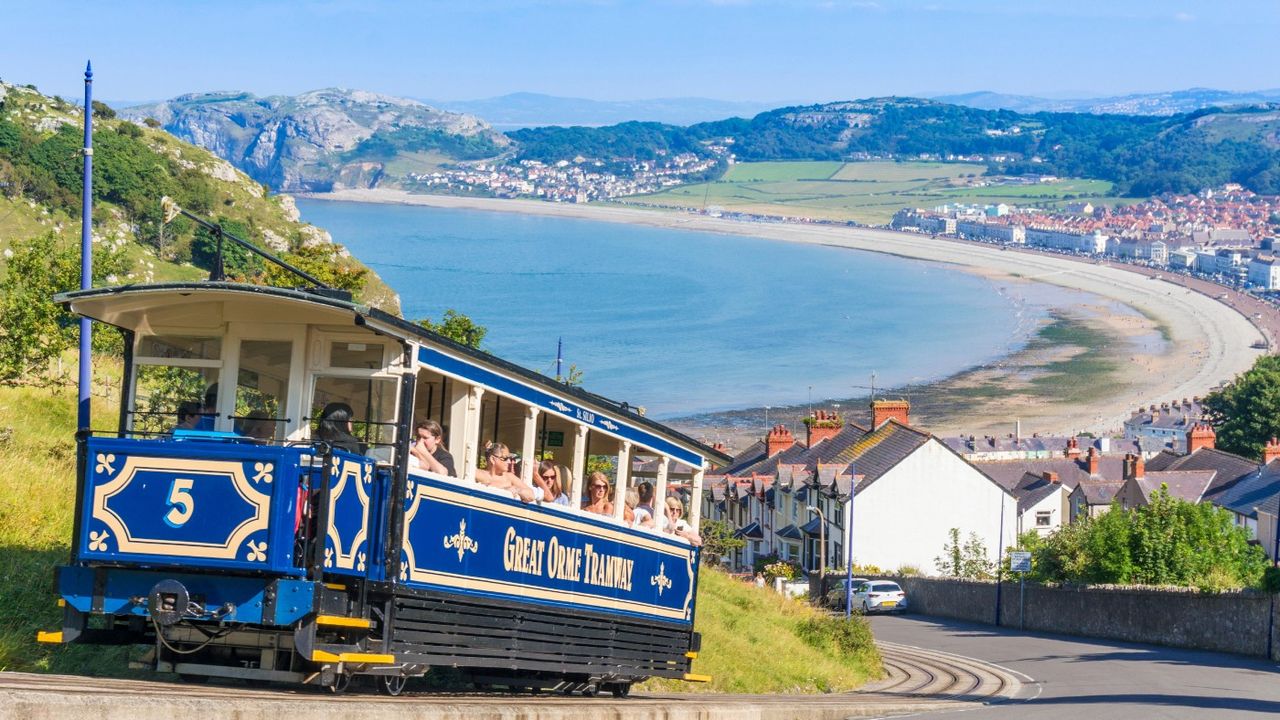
(488, 582)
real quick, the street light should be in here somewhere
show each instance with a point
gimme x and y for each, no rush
(822, 539)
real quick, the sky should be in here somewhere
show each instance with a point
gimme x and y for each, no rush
(759, 50)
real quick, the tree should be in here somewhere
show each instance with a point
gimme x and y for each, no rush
(964, 560)
(33, 329)
(1246, 413)
(457, 327)
(718, 541)
(103, 111)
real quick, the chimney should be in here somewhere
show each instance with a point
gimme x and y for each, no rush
(778, 439)
(718, 446)
(1127, 471)
(1051, 476)
(1271, 451)
(1139, 467)
(822, 425)
(882, 410)
(1200, 436)
(1073, 449)
(1094, 460)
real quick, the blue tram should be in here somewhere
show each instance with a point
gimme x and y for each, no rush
(214, 526)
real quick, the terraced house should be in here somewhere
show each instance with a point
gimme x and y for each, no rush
(895, 489)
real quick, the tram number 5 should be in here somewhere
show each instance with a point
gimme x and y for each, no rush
(180, 502)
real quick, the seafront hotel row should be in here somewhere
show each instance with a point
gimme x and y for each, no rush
(904, 489)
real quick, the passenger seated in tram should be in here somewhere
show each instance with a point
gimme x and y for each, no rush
(335, 428)
(675, 523)
(645, 492)
(639, 516)
(188, 416)
(427, 451)
(259, 426)
(547, 477)
(497, 473)
(598, 495)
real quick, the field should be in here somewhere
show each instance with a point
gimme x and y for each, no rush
(867, 192)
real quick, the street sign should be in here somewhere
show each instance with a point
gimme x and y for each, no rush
(1020, 561)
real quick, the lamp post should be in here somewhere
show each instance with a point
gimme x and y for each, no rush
(848, 547)
(822, 540)
(86, 255)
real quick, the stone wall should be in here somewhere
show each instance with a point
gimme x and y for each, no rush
(1235, 622)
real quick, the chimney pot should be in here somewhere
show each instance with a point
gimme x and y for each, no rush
(1200, 436)
(883, 410)
(778, 439)
(1271, 451)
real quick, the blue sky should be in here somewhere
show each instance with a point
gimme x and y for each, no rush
(621, 49)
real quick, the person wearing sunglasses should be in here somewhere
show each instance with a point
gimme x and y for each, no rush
(547, 477)
(598, 495)
(676, 524)
(499, 473)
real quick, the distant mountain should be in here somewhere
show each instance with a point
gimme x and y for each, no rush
(521, 110)
(1165, 103)
(323, 139)
(1142, 155)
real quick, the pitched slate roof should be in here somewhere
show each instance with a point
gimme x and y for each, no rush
(1257, 490)
(752, 531)
(1099, 492)
(1188, 485)
(791, 532)
(1230, 468)
(1008, 473)
(1031, 489)
(877, 452)
(757, 462)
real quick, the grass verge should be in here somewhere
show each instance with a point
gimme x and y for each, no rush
(756, 641)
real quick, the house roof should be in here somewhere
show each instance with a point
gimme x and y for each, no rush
(813, 527)
(1257, 490)
(1008, 473)
(751, 531)
(1098, 492)
(757, 462)
(1033, 488)
(791, 532)
(1188, 485)
(877, 452)
(1229, 468)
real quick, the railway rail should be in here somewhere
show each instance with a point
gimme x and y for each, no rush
(917, 680)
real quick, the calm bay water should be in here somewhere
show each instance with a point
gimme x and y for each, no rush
(683, 322)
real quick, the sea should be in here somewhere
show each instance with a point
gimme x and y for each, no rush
(682, 322)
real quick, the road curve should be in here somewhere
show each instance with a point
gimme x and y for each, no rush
(916, 681)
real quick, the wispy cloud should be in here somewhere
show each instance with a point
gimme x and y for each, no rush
(1184, 17)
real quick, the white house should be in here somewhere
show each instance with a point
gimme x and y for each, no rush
(1264, 272)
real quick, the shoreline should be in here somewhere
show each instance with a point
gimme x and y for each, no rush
(1207, 341)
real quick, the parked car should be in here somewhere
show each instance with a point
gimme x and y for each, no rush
(835, 596)
(880, 596)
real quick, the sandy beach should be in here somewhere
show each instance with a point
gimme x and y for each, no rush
(1207, 341)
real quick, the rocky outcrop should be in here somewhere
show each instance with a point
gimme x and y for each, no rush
(308, 142)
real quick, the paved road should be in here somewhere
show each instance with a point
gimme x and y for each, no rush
(1080, 679)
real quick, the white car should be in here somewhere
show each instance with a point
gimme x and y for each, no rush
(880, 596)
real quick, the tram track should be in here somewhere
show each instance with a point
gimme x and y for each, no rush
(916, 681)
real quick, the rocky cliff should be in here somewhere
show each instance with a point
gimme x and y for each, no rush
(324, 139)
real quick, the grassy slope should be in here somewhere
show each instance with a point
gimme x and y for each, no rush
(753, 640)
(869, 192)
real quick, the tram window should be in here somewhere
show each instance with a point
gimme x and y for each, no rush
(373, 402)
(179, 347)
(262, 389)
(344, 354)
(163, 392)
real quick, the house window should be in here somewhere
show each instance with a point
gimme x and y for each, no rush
(1043, 519)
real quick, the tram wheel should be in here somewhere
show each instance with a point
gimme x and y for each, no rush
(392, 685)
(340, 683)
(621, 690)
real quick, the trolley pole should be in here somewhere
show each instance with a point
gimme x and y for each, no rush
(86, 253)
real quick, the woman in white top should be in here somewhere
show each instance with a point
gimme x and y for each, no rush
(675, 522)
(547, 477)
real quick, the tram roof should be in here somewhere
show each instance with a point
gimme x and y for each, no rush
(122, 306)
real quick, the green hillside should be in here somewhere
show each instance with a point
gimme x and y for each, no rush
(134, 167)
(1140, 155)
